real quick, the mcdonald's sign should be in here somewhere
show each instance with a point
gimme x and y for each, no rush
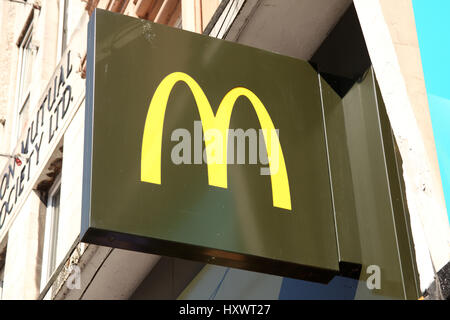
(217, 172)
(144, 81)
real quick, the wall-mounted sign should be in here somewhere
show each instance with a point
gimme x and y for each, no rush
(204, 149)
(37, 142)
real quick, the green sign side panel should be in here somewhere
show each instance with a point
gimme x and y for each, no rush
(341, 174)
(375, 236)
(185, 216)
(372, 222)
(401, 221)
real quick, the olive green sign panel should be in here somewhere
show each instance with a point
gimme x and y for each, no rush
(145, 81)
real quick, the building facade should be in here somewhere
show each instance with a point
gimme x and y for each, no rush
(386, 185)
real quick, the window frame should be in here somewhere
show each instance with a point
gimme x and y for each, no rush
(52, 233)
(24, 43)
(54, 197)
(2, 278)
(3, 251)
(63, 29)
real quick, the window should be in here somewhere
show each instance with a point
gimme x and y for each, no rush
(1, 281)
(63, 35)
(26, 63)
(2, 268)
(53, 251)
(23, 115)
(53, 210)
(27, 54)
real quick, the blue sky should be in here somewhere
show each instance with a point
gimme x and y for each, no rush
(433, 29)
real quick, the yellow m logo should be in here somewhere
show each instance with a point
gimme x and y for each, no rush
(217, 172)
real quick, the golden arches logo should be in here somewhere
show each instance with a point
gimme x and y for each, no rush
(217, 172)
